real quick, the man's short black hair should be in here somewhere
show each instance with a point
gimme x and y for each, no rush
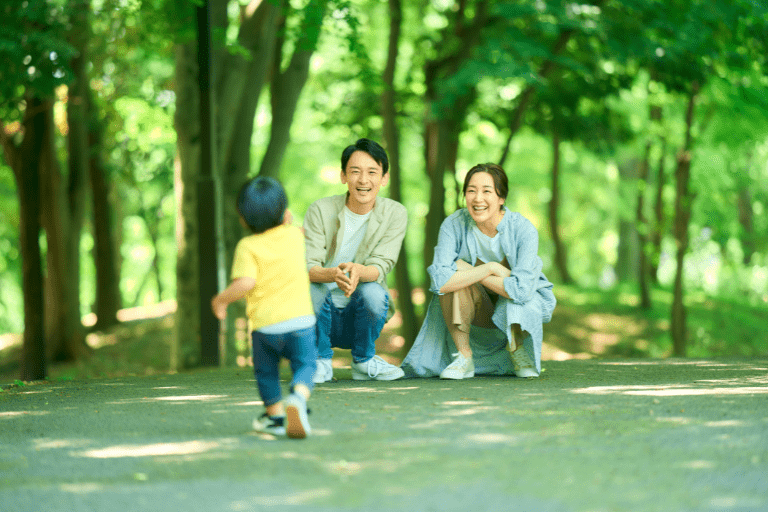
(372, 148)
(262, 203)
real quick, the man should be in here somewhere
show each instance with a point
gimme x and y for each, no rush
(353, 241)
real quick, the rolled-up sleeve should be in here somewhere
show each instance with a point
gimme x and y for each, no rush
(384, 255)
(446, 253)
(521, 285)
(314, 237)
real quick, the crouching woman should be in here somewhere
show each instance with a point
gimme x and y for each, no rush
(491, 298)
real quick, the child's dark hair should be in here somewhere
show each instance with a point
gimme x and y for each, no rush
(373, 149)
(262, 203)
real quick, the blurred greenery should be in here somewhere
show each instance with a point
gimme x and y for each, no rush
(608, 81)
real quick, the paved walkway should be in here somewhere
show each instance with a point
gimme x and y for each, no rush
(672, 435)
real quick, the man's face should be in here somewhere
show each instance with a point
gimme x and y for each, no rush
(363, 177)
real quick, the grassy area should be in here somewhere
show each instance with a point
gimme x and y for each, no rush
(586, 324)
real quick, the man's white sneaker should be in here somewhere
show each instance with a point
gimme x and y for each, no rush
(376, 369)
(524, 366)
(324, 372)
(460, 368)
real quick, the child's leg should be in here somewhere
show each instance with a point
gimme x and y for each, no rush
(266, 361)
(301, 351)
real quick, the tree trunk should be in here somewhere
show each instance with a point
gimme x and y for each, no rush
(642, 230)
(443, 124)
(746, 216)
(108, 297)
(287, 86)
(561, 258)
(185, 347)
(516, 116)
(78, 154)
(683, 205)
(410, 326)
(627, 256)
(64, 333)
(239, 81)
(26, 162)
(658, 209)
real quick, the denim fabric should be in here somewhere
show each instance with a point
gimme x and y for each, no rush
(296, 346)
(355, 327)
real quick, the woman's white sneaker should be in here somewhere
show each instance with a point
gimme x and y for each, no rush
(524, 366)
(460, 368)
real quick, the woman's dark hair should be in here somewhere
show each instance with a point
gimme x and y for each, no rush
(372, 148)
(500, 182)
(262, 203)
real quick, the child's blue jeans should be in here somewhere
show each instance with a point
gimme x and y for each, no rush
(296, 346)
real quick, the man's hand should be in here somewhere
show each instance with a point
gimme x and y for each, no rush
(348, 277)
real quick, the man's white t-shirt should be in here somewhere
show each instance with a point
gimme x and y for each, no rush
(354, 230)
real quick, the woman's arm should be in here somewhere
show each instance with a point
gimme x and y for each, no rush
(465, 275)
(491, 275)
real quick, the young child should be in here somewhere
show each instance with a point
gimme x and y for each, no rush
(269, 270)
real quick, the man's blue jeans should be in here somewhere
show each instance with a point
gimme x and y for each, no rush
(355, 327)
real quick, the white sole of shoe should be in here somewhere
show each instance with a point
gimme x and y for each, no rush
(297, 424)
(364, 376)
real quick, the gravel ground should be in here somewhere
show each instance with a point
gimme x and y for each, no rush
(623, 435)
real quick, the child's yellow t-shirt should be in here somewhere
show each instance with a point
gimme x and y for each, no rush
(275, 259)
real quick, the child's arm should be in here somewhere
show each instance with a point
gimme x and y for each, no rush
(238, 289)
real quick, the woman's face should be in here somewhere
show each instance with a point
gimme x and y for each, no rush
(482, 201)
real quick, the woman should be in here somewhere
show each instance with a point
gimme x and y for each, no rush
(491, 296)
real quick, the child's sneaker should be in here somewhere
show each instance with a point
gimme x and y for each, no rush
(460, 368)
(524, 366)
(296, 417)
(274, 425)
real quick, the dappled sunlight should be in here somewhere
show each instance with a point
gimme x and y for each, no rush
(677, 420)
(670, 390)
(687, 362)
(249, 404)
(156, 450)
(698, 464)
(432, 424)
(16, 414)
(10, 340)
(82, 488)
(54, 444)
(187, 398)
(137, 313)
(492, 438)
(190, 398)
(296, 498)
(358, 390)
(726, 423)
(470, 411)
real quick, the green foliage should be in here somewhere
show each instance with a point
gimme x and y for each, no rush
(33, 51)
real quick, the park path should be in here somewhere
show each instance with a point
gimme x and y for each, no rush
(623, 435)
